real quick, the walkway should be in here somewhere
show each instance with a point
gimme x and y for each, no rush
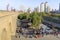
(48, 37)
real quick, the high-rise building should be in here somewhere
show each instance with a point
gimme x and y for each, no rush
(13, 9)
(59, 7)
(7, 7)
(37, 9)
(46, 7)
(42, 7)
(29, 10)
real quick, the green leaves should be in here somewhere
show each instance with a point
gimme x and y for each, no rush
(35, 18)
(23, 16)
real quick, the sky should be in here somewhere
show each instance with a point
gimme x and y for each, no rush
(27, 3)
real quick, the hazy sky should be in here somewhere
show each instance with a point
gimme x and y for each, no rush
(28, 3)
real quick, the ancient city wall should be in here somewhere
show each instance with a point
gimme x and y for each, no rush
(8, 24)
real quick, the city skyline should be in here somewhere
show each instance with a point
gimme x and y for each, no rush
(54, 4)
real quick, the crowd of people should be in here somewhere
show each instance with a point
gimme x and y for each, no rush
(30, 32)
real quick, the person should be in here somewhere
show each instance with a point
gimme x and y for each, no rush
(42, 33)
(56, 33)
(37, 35)
(19, 36)
(41, 29)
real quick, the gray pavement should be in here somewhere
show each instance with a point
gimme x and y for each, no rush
(46, 37)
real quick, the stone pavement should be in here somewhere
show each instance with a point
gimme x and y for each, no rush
(46, 37)
(18, 36)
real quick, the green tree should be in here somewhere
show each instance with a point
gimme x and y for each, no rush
(34, 17)
(23, 16)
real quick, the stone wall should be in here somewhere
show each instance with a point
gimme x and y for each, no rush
(8, 21)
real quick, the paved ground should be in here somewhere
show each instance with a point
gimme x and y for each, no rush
(48, 37)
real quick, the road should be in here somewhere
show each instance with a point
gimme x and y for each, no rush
(52, 23)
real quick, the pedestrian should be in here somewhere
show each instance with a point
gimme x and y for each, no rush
(37, 35)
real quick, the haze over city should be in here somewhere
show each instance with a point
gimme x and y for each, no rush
(54, 4)
(29, 19)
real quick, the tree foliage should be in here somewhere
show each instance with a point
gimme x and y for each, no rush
(34, 17)
(23, 16)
